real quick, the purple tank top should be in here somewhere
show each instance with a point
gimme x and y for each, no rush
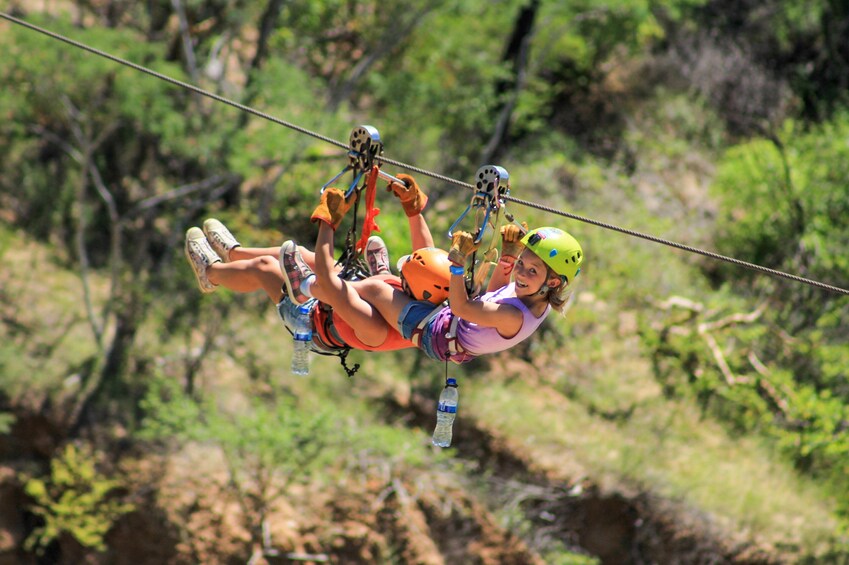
(480, 340)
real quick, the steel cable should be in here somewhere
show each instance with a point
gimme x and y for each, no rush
(437, 176)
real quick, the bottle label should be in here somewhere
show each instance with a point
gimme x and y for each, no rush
(303, 336)
(451, 409)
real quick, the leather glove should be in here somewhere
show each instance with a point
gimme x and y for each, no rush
(511, 241)
(462, 245)
(333, 207)
(411, 196)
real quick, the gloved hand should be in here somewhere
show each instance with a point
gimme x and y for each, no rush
(511, 241)
(462, 245)
(333, 207)
(411, 196)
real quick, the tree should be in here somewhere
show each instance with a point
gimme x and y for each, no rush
(267, 448)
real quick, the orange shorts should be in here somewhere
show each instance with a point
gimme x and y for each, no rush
(335, 331)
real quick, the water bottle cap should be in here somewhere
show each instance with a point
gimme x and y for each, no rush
(450, 382)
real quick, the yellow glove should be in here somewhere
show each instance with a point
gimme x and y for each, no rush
(333, 207)
(462, 245)
(411, 196)
(511, 241)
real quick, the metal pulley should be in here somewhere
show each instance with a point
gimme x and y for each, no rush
(492, 184)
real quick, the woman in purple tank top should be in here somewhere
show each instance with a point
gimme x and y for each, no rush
(542, 264)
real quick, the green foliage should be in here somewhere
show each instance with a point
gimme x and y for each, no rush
(267, 446)
(74, 499)
(565, 557)
(783, 372)
(6, 422)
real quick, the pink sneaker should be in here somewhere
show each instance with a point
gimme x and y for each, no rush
(295, 271)
(377, 256)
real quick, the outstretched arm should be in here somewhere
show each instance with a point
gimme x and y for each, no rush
(511, 248)
(420, 236)
(507, 319)
(413, 199)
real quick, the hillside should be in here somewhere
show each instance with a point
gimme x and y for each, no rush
(685, 409)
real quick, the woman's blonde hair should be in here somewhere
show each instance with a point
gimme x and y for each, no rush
(558, 296)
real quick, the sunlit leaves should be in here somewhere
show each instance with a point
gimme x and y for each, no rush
(74, 499)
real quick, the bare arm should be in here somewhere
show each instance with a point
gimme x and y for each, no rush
(501, 275)
(420, 235)
(505, 318)
(511, 248)
(413, 200)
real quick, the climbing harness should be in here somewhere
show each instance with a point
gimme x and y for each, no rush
(364, 147)
(414, 169)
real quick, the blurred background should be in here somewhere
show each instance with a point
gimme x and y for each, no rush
(684, 410)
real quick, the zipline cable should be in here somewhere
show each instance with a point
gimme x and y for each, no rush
(418, 170)
(655, 239)
(171, 80)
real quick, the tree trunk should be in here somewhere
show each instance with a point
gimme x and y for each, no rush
(516, 53)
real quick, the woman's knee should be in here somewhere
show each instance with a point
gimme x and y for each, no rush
(267, 264)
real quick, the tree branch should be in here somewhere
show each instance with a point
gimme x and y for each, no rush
(766, 385)
(211, 183)
(188, 48)
(719, 357)
(733, 319)
(517, 51)
(392, 36)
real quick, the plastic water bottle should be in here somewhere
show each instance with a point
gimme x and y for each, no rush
(303, 337)
(446, 411)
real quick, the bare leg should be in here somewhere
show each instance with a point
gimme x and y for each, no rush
(383, 297)
(238, 253)
(248, 275)
(367, 323)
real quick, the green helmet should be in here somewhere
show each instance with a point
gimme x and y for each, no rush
(557, 249)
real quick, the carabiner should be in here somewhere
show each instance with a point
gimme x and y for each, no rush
(492, 184)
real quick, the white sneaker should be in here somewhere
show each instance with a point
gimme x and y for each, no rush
(377, 256)
(200, 255)
(220, 238)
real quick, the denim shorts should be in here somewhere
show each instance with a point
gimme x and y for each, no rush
(410, 318)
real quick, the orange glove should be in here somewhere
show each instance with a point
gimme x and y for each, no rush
(462, 245)
(411, 196)
(333, 207)
(511, 241)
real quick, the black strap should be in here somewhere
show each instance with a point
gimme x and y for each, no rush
(343, 357)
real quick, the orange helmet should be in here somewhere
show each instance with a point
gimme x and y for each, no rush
(426, 273)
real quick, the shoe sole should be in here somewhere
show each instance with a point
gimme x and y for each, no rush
(289, 246)
(188, 255)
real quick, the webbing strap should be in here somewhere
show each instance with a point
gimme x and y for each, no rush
(454, 346)
(416, 338)
(369, 225)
